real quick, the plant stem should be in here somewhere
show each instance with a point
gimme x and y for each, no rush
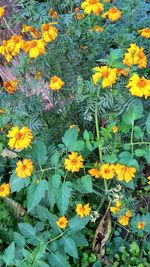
(98, 137)
(132, 147)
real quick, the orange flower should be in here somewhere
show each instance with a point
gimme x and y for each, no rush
(113, 14)
(62, 222)
(56, 83)
(10, 86)
(145, 32)
(34, 47)
(141, 225)
(4, 190)
(49, 33)
(96, 171)
(53, 14)
(33, 31)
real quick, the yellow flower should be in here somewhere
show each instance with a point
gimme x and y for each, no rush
(124, 173)
(19, 138)
(62, 222)
(34, 47)
(106, 75)
(49, 33)
(53, 14)
(94, 6)
(83, 211)
(74, 162)
(97, 29)
(141, 225)
(124, 219)
(2, 11)
(79, 16)
(56, 83)
(115, 129)
(117, 207)
(135, 56)
(24, 168)
(10, 86)
(73, 126)
(145, 32)
(96, 171)
(148, 178)
(33, 31)
(107, 171)
(4, 190)
(113, 14)
(123, 72)
(139, 86)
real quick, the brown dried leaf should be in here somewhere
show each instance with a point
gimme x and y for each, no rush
(102, 234)
(15, 207)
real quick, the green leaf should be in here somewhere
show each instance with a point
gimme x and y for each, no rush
(9, 254)
(140, 152)
(56, 181)
(77, 146)
(130, 185)
(16, 184)
(84, 185)
(148, 124)
(138, 133)
(39, 152)
(97, 264)
(26, 230)
(64, 196)
(86, 135)
(134, 112)
(70, 247)
(110, 158)
(70, 137)
(76, 223)
(43, 213)
(79, 239)
(19, 240)
(55, 158)
(58, 260)
(39, 251)
(147, 155)
(35, 193)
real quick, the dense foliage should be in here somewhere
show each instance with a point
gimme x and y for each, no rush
(74, 134)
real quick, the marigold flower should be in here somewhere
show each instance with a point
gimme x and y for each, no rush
(53, 14)
(124, 219)
(74, 162)
(94, 6)
(115, 129)
(49, 33)
(79, 16)
(135, 56)
(148, 178)
(19, 138)
(117, 207)
(107, 171)
(97, 29)
(4, 190)
(33, 31)
(24, 168)
(34, 47)
(83, 211)
(56, 83)
(106, 75)
(141, 225)
(123, 72)
(113, 14)
(139, 86)
(145, 32)
(10, 86)
(124, 172)
(96, 171)
(2, 11)
(62, 222)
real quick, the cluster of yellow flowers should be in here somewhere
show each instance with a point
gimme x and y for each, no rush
(108, 171)
(135, 56)
(124, 219)
(81, 210)
(36, 47)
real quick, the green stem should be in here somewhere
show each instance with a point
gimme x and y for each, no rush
(132, 147)
(98, 138)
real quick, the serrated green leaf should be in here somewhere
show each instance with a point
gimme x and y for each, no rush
(134, 112)
(39, 152)
(76, 223)
(26, 230)
(70, 247)
(84, 184)
(16, 184)
(70, 137)
(58, 260)
(9, 254)
(35, 193)
(64, 196)
(56, 181)
(19, 240)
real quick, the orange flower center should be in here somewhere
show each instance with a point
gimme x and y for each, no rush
(74, 161)
(106, 171)
(23, 167)
(54, 79)
(45, 27)
(61, 222)
(19, 136)
(33, 44)
(141, 83)
(140, 55)
(1, 189)
(105, 74)
(114, 10)
(91, 2)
